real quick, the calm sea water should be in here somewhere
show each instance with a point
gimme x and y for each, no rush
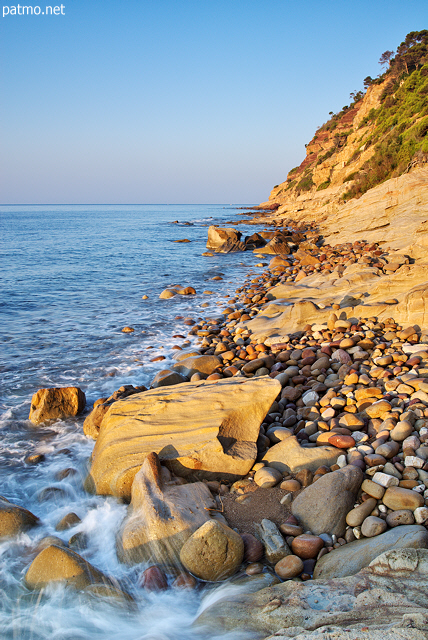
(72, 278)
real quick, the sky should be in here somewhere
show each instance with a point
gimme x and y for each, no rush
(178, 101)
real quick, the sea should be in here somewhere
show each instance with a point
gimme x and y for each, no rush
(72, 277)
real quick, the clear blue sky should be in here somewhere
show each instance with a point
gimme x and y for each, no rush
(179, 101)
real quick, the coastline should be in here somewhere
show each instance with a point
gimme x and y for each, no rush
(327, 392)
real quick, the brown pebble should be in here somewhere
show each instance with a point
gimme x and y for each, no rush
(342, 442)
(290, 529)
(184, 581)
(290, 485)
(307, 546)
(153, 579)
(254, 569)
(289, 567)
(253, 548)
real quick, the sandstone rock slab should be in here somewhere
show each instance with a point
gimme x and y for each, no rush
(289, 457)
(390, 593)
(200, 428)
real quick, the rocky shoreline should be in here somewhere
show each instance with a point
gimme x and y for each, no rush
(289, 443)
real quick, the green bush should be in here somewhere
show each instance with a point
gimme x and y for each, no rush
(323, 185)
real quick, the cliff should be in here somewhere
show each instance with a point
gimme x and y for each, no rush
(373, 145)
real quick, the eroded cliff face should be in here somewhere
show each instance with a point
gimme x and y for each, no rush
(337, 150)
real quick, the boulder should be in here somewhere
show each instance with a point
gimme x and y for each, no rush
(197, 364)
(390, 594)
(352, 557)
(161, 516)
(200, 428)
(166, 377)
(322, 507)
(289, 457)
(14, 519)
(224, 240)
(58, 564)
(214, 552)
(56, 403)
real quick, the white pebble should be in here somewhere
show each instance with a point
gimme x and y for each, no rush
(382, 508)
(385, 480)
(341, 461)
(414, 461)
(421, 515)
(420, 488)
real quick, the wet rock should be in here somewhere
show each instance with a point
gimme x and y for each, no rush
(274, 544)
(289, 567)
(154, 579)
(14, 519)
(253, 548)
(57, 564)
(214, 552)
(56, 404)
(161, 516)
(68, 521)
(307, 546)
(184, 581)
(166, 377)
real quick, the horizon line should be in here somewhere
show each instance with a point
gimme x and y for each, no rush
(122, 204)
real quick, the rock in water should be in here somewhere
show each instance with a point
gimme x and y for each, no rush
(224, 239)
(214, 552)
(322, 507)
(391, 594)
(56, 403)
(200, 428)
(14, 519)
(57, 564)
(162, 517)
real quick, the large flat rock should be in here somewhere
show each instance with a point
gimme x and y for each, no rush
(392, 592)
(289, 457)
(207, 429)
